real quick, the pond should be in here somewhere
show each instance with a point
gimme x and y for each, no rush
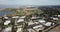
(5, 13)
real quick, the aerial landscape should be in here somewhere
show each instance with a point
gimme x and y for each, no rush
(29, 15)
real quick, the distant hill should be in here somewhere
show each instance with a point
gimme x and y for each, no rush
(14, 6)
(50, 6)
(8, 6)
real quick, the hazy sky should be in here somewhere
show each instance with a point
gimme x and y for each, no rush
(29, 2)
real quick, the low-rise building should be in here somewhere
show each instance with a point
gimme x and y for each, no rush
(19, 30)
(7, 22)
(8, 29)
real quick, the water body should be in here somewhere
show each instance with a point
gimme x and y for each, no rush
(5, 13)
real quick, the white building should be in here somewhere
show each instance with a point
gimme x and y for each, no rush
(38, 27)
(41, 21)
(34, 17)
(23, 17)
(19, 29)
(15, 17)
(58, 15)
(7, 22)
(31, 22)
(36, 22)
(54, 18)
(6, 17)
(8, 29)
(31, 30)
(48, 24)
(20, 20)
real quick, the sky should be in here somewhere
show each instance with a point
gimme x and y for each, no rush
(29, 2)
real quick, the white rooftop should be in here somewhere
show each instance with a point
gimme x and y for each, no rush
(15, 17)
(7, 22)
(19, 30)
(55, 18)
(34, 17)
(58, 15)
(8, 29)
(48, 24)
(6, 17)
(41, 21)
(22, 16)
(37, 26)
(20, 20)
(30, 23)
